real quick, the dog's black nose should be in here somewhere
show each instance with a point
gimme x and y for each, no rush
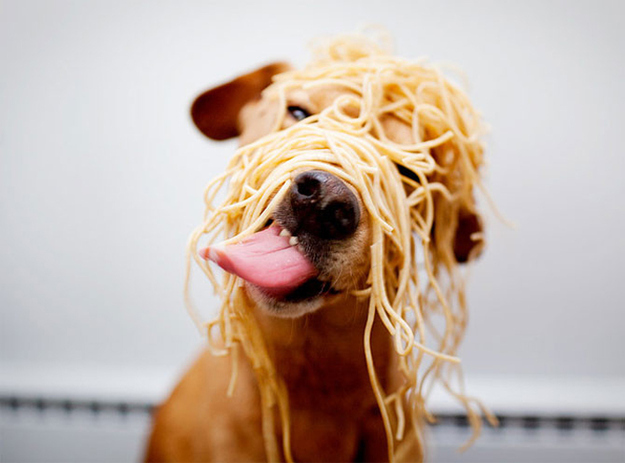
(323, 205)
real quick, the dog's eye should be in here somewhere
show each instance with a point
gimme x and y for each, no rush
(298, 113)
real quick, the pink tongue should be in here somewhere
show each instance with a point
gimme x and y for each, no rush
(266, 260)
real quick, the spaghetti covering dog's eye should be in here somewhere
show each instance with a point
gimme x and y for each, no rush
(414, 285)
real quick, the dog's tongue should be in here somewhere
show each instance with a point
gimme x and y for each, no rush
(266, 260)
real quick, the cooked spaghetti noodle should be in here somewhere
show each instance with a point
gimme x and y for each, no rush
(420, 300)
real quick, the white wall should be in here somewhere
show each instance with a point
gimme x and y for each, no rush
(102, 173)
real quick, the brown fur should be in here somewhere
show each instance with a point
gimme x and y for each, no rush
(334, 416)
(320, 355)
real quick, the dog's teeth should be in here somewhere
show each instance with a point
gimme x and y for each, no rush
(293, 241)
(285, 232)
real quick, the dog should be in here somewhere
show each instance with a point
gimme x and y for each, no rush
(314, 331)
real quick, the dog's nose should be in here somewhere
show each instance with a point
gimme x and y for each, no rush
(323, 205)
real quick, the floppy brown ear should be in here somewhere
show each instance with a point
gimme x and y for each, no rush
(215, 112)
(468, 241)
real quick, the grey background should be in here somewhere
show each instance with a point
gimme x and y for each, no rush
(102, 172)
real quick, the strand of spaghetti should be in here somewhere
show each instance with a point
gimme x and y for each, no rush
(493, 206)
(330, 82)
(255, 214)
(268, 426)
(404, 326)
(438, 355)
(286, 422)
(379, 290)
(440, 188)
(441, 298)
(262, 218)
(402, 216)
(396, 151)
(190, 306)
(394, 106)
(241, 204)
(401, 418)
(426, 145)
(404, 279)
(415, 126)
(361, 292)
(421, 330)
(212, 347)
(374, 382)
(235, 373)
(475, 422)
(229, 328)
(214, 185)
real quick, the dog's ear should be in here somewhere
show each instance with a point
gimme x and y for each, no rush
(468, 231)
(468, 241)
(215, 112)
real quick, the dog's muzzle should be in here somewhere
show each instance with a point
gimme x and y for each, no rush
(323, 206)
(288, 260)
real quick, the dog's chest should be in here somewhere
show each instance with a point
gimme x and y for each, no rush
(320, 437)
(327, 377)
(331, 409)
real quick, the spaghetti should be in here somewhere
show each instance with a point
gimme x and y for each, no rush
(414, 286)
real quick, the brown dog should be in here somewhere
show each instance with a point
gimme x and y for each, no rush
(314, 335)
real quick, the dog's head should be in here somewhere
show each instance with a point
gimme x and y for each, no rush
(315, 242)
(354, 179)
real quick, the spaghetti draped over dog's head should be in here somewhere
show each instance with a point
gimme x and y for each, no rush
(417, 192)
